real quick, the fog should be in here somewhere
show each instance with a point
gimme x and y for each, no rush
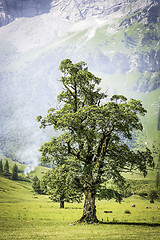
(31, 50)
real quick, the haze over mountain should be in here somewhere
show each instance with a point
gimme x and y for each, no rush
(119, 40)
(76, 10)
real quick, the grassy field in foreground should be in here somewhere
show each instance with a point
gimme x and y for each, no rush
(24, 215)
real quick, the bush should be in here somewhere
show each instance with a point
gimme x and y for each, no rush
(127, 212)
(143, 194)
(36, 185)
(153, 195)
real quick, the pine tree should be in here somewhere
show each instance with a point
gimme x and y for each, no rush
(1, 166)
(36, 185)
(15, 172)
(6, 168)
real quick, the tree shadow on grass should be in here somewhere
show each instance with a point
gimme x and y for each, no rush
(73, 208)
(132, 223)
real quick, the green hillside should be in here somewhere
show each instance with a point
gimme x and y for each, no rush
(125, 56)
(25, 215)
(38, 171)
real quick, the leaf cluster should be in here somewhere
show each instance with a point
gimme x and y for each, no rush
(60, 184)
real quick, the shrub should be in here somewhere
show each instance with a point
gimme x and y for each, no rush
(153, 195)
(127, 212)
(143, 194)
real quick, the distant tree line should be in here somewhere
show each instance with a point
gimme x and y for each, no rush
(159, 120)
(5, 170)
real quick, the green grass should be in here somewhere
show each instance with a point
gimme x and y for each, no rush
(24, 215)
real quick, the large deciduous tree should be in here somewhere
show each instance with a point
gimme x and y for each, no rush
(93, 134)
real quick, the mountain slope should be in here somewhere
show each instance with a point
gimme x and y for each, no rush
(76, 10)
(118, 41)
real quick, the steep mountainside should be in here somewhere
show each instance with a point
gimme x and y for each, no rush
(12, 9)
(77, 10)
(119, 40)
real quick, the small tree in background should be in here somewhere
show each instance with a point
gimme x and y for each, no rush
(1, 166)
(43, 187)
(14, 172)
(153, 196)
(60, 185)
(158, 180)
(6, 168)
(36, 185)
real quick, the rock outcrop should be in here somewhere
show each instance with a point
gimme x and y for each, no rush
(77, 10)
(12, 9)
(82, 9)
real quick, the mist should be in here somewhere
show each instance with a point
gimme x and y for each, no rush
(31, 50)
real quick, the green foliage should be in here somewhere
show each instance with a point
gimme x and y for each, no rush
(61, 185)
(158, 180)
(14, 175)
(43, 187)
(143, 194)
(93, 135)
(108, 194)
(36, 185)
(153, 195)
(1, 166)
(6, 168)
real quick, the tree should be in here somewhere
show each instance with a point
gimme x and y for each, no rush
(93, 132)
(1, 166)
(153, 195)
(43, 187)
(36, 185)
(14, 172)
(6, 167)
(158, 181)
(60, 184)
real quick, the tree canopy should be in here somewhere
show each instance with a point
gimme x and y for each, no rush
(6, 168)
(1, 166)
(60, 185)
(36, 185)
(14, 172)
(93, 130)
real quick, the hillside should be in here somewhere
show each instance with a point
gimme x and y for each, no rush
(119, 40)
(75, 10)
(29, 170)
(25, 215)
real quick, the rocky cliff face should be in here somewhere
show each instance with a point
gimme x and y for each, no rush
(81, 9)
(77, 10)
(12, 9)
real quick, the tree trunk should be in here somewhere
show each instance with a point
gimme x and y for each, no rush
(89, 210)
(61, 204)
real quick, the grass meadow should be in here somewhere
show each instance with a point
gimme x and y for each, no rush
(26, 215)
